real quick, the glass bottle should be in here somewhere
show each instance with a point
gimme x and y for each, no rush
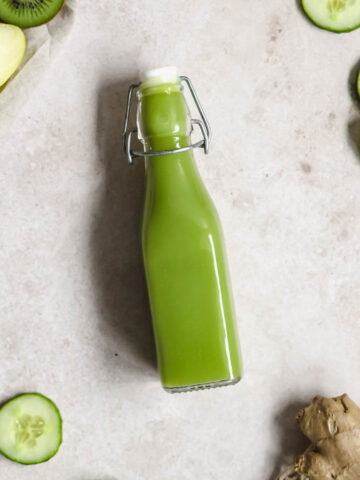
(183, 248)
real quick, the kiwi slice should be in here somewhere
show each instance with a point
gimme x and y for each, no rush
(29, 13)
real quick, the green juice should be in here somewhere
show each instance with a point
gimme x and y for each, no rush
(184, 255)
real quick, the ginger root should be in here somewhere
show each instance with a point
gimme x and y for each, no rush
(333, 427)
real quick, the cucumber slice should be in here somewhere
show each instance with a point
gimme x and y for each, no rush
(333, 15)
(30, 429)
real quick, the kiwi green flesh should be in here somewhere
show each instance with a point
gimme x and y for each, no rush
(29, 13)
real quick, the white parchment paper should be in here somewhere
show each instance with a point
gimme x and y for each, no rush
(43, 43)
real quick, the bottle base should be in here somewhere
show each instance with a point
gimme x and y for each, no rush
(202, 386)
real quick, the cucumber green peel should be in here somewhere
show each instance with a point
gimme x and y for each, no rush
(30, 429)
(334, 15)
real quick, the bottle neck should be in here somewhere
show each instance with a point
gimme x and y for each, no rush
(172, 177)
(159, 144)
(164, 124)
(163, 118)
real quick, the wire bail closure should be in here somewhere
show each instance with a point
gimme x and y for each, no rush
(203, 124)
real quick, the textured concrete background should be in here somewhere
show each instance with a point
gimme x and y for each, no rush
(284, 171)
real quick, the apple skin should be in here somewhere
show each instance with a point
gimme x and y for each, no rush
(12, 50)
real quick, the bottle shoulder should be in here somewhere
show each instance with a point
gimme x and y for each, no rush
(184, 224)
(195, 206)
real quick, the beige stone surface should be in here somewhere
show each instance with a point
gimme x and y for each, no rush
(284, 171)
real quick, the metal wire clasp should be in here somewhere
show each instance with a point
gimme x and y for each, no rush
(203, 124)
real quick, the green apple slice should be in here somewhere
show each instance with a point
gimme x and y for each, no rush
(12, 49)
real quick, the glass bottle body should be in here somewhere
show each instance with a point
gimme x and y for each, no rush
(184, 255)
